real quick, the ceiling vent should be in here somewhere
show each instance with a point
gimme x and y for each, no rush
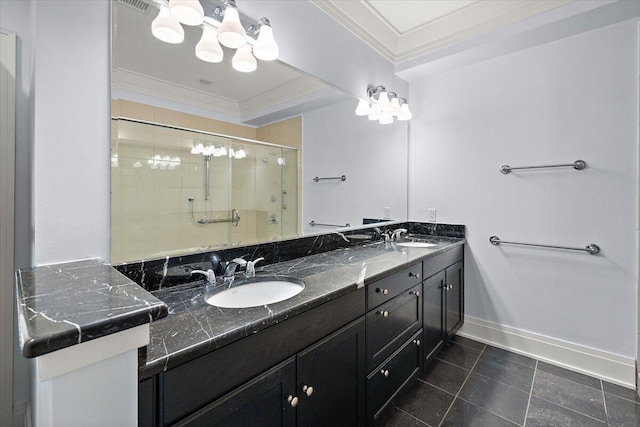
(139, 5)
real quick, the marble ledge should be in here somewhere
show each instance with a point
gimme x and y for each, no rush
(62, 305)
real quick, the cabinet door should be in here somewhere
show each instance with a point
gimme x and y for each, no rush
(266, 401)
(432, 299)
(331, 379)
(454, 298)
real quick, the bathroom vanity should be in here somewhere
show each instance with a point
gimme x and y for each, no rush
(370, 317)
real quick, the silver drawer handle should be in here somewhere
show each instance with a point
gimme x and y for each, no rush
(307, 389)
(416, 275)
(385, 372)
(416, 342)
(383, 291)
(416, 293)
(384, 313)
(293, 401)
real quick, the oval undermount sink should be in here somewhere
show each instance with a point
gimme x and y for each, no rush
(257, 291)
(416, 245)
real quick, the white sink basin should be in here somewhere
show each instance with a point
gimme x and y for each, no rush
(416, 245)
(256, 291)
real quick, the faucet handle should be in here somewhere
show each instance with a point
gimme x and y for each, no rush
(250, 270)
(209, 275)
(396, 233)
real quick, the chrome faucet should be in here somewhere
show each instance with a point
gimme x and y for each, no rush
(210, 276)
(250, 270)
(396, 233)
(230, 269)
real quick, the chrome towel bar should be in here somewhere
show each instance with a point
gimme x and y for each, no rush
(591, 248)
(315, 224)
(341, 178)
(577, 165)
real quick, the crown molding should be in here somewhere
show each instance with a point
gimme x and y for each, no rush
(292, 90)
(462, 24)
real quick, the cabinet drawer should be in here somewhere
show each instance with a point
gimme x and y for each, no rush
(391, 324)
(384, 290)
(388, 379)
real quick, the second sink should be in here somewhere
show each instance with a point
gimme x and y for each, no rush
(257, 291)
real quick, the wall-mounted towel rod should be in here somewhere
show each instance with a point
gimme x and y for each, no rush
(315, 224)
(577, 165)
(591, 248)
(341, 178)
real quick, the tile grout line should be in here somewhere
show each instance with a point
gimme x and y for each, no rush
(526, 413)
(571, 410)
(460, 389)
(604, 401)
(412, 416)
(487, 410)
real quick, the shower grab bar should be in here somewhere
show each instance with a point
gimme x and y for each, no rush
(591, 248)
(314, 224)
(577, 165)
(341, 178)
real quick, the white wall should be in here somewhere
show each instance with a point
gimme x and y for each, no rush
(336, 142)
(576, 98)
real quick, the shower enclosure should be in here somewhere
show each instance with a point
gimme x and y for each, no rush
(181, 191)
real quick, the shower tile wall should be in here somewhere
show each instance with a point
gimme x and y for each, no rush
(156, 221)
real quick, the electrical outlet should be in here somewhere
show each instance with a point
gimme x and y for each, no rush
(387, 212)
(431, 215)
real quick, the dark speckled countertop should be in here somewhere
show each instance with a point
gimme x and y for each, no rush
(194, 328)
(66, 304)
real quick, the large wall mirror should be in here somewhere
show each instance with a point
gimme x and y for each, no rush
(204, 156)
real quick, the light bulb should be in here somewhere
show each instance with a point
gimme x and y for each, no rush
(363, 108)
(383, 101)
(230, 32)
(375, 113)
(187, 12)
(243, 60)
(208, 49)
(166, 28)
(395, 107)
(405, 113)
(386, 118)
(266, 47)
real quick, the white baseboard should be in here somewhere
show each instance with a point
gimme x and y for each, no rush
(596, 363)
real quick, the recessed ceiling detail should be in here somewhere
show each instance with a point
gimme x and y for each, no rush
(403, 29)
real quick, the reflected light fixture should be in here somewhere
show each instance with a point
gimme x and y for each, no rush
(166, 28)
(224, 27)
(187, 12)
(383, 106)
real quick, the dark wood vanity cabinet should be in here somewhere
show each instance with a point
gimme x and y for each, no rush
(443, 301)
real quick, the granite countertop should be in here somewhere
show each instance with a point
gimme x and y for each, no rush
(194, 328)
(67, 304)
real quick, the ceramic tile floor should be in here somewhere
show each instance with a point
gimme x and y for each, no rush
(473, 384)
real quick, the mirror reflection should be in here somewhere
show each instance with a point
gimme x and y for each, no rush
(204, 156)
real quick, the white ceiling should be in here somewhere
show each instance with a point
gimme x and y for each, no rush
(402, 30)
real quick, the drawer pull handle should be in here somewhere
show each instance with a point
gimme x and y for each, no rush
(384, 313)
(307, 389)
(385, 372)
(416, 293)
(416, 275)
(383, 291)
(447, 287)
(416, 342)
(293, 401)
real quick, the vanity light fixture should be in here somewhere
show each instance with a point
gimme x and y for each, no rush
(224, 27)
(383, 106)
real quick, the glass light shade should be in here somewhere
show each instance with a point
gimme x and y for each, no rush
(405, 113)
(386, 118)
(166, 28)
(266, 47)
(383, 101)
(208, 49)
(230, 32)
(187, 12)
(363, 108)
(395, 107)
(375, 113)
(243, 60)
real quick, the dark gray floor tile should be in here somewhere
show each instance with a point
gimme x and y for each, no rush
(467, 414)
(622, 412)
(574, 396)
(444, 375)
(501, 354)
(544, 414)
(424, 402)
(504, 371)
(476, 345)
(394, 417)
(626, 393)
(570, 375)
(498, 398)
(460, 355)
